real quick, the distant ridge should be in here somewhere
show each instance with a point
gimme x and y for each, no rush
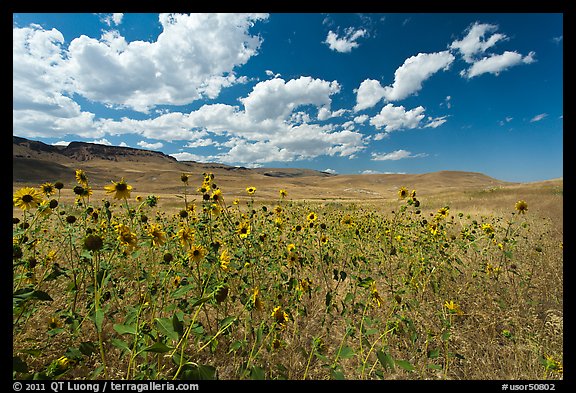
(82, 151)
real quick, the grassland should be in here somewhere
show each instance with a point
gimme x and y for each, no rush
(342, 278)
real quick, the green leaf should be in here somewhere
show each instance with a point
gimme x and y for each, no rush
(434, 366)
(166, 327)
(181, 291)
(236, 345)
(337, 374)
(385, 359)
(365, 282)
(120, 344)
(125, 329)
(158, 347)
(98, 319)
(87, 348)
(29, 294)
(201, 301)
(433, 354)
(199, 372)
(405, 365)
(257, 373)
(177, 325)
(346, 352)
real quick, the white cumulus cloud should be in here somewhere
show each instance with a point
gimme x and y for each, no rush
(276, 99)
(346, 43)
(408, 79)
(151, 146)
(497, 63)
(393, 118)
(474, 43)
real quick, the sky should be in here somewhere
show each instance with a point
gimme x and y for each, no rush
(344, 93)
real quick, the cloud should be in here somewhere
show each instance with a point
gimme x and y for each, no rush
(474, 43)
(275, 99)
(346, 43)
(61, 143)
(497, 63)
(151, 146)
(201, 143)
(368, 94)
(102, 141)
(538, 117)
(436, 122)
(508, 119)
(331, 171)
(395, 155)
(361, 119)
(185, 156)
(111, 19)
(393, 118)
(408, 79)
(194, 57)
(251, 135)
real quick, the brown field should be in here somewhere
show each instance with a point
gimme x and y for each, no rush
(512, 320)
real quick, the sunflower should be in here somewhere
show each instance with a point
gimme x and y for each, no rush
(27, 198)
(157, 234)
(197, 253)
(81, 177)
(121, 189)
(442, 212)
(402, 192)
(48, 189)
(251, 190)
(126, 236)
(243, 229)
(453, 308)
(283, 193)
(225, 259)
(255, 299)
(186, 237)
(347, 220)
(217, 196)
(280, 316)
(522, 207)
(311, 217)
(375, 296)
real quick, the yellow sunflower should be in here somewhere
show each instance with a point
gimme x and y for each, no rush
(243, 229)
(522, 207)
(280, 316)
(121, 189)
(81, 177)
(197, 253)
(402, 192)
(251, 190)
(48, 189)
(27, 198)
(157, 234)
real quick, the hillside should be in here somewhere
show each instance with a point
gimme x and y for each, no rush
(150, 171)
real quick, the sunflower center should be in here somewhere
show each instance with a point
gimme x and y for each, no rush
(121, 187)
(27, 198)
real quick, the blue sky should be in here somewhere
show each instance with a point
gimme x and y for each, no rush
(344, 93)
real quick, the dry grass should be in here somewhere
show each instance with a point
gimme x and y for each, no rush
(507, 287)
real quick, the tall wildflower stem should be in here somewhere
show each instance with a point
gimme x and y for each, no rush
(98, 312)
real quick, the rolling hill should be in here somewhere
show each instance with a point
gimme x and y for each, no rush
(35, 162)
